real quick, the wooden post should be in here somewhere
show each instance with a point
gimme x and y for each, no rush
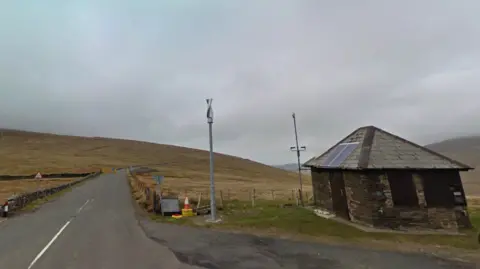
(199, 200)
(299, 197)
(221, 198)
(296, 197)
(273, 195)
(253, 197)
(154, 196)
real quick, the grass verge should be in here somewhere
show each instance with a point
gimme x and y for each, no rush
(268, 216)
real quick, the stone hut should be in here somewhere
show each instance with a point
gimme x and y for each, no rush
(375, 178)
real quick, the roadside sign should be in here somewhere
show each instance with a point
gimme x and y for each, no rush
(158, 179)
(38, 176)
(169, 205)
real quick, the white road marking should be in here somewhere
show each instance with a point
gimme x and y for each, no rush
(55, 237)
(80, 209)
(49, 244)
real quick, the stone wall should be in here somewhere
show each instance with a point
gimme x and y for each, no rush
(20, 201)
(370, 201)
(322, 194)
(442, 218)
(423, 216)
(32, 176)
(361, 203)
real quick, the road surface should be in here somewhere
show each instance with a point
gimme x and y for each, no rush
(218, 250)
(93, 226)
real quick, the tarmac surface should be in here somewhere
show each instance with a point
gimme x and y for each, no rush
(92, 226)
(97, 225)
(215, 249)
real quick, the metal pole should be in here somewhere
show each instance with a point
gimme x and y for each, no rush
(298, 158)
(213, 206)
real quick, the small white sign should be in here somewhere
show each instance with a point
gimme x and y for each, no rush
(38, 176)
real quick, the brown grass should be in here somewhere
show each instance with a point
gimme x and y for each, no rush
(473, 201)
(183, 168)
(229, 190)
(11, 187)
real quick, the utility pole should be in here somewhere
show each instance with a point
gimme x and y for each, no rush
(298, 149)
(213, 206)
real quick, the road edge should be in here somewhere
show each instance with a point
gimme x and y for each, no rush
(142, 215)
(51, 197)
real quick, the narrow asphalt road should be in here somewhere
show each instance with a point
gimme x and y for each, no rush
(93, 226)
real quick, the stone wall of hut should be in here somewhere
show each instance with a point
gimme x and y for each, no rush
(370, 200)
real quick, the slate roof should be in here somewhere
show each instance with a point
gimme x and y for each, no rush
(379, 149)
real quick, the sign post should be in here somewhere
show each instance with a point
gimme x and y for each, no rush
(158, 179)
(213, 206)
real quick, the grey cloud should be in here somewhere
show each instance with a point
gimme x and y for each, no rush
(92, 67)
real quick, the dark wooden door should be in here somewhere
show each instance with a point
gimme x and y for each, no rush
(339, 198)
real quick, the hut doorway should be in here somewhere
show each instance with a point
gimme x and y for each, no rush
(339, 198)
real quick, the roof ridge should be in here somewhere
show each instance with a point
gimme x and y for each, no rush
(464, 166)
(364, 158)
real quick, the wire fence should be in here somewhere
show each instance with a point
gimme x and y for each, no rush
(151, 195)
(245, 194)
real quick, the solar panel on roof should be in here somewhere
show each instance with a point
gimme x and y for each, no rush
(343, 155)
(333, 153)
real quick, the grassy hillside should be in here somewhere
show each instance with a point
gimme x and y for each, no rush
(28, 152)
(466, 150)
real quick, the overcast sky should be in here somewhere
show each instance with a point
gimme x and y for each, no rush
(142, 70)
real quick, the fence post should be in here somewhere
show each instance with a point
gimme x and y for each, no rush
(273, 195)
(299, 200)
(253, 197)
(221, 199)
(154, 201)
(199, 200)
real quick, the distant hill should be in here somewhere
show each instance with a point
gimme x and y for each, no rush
(288, 166)
(25, 153)
(467, 150)
(291, 167)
